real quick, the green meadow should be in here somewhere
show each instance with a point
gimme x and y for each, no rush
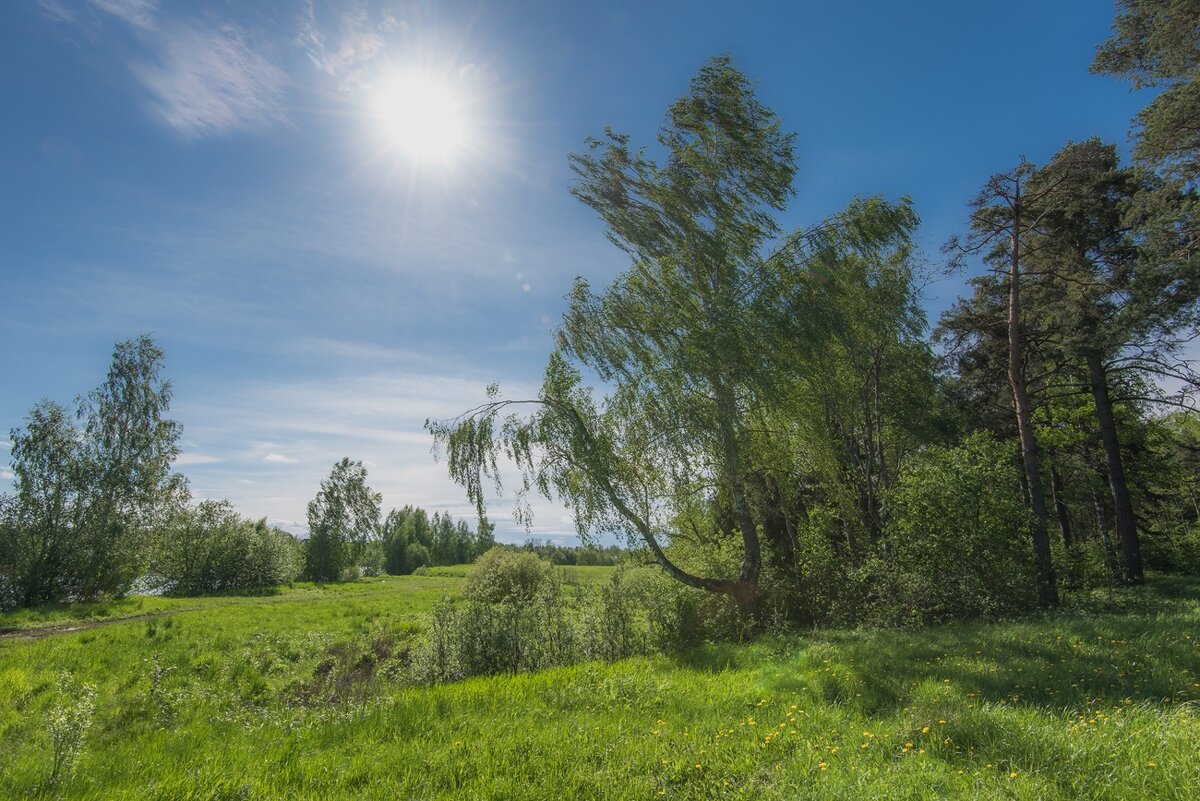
(302, 693)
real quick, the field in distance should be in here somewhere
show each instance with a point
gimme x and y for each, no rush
(299, 693)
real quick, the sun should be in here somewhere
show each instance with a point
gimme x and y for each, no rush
(422, 116)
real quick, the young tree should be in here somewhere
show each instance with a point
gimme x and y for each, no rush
(687, 340)
(128, 448)
(87, 497)
(395, 557)
(40, 551)
(341, 520)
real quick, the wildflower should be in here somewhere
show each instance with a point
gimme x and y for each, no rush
(925, 730)
(823, 766)
(1012, 775)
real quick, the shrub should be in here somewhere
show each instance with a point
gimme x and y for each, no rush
(515, 619)
(211, 548)
(69, 721)
(959, 543)
(504, 574)
(1084, 566)
(611, 621)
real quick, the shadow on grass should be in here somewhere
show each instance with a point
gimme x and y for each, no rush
(1142, 649)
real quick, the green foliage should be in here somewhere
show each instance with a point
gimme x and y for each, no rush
(69, 721)
(411, 540)
(210, 548)
(503, 574)
(515, 620)
(1086, 565)
(88, 496)
(694, 344)
(959, 546)
(298, 694)
(341, 520)
(1154, 45)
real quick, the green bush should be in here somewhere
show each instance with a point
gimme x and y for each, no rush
(504, 574)
(1177, 552)
(515, 619)
(1084, 566)
(612, 619)
(959, 541)
(211, 548)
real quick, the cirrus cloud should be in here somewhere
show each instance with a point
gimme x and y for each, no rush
(210, 81)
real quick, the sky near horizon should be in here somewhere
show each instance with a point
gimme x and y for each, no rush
(239, 180)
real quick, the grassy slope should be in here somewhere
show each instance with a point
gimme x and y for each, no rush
(265, 698)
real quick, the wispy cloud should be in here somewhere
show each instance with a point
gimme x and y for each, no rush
(55, 10)
(203, 77)
(356, 40)
(211, 81)
(6, 444)
(376, 416)
(7, 475)
(185, 459)
(138, 13)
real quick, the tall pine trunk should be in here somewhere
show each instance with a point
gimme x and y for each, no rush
(1127, 537)
(1047, 584)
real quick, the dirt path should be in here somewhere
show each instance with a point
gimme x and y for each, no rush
(40, 632)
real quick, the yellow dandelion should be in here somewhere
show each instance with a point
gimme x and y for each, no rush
(925, 730)
(823, 766)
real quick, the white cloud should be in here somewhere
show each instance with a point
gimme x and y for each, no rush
(185, 459)
(7, 475)
(376, 417)
(6, 444)
(296, 527)
(210, 81)
(56, 11)
(355, 43)
(138, 13)
(279, 458)
(202, 79)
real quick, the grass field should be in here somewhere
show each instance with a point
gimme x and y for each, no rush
(297, 694)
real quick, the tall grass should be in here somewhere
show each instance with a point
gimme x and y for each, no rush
(303, 695)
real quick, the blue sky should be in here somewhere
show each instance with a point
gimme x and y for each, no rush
(218, 174)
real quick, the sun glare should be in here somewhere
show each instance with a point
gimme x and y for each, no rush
(422, 116)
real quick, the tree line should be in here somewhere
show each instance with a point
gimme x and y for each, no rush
(774, 422)
(98, 511)
(347, 536)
